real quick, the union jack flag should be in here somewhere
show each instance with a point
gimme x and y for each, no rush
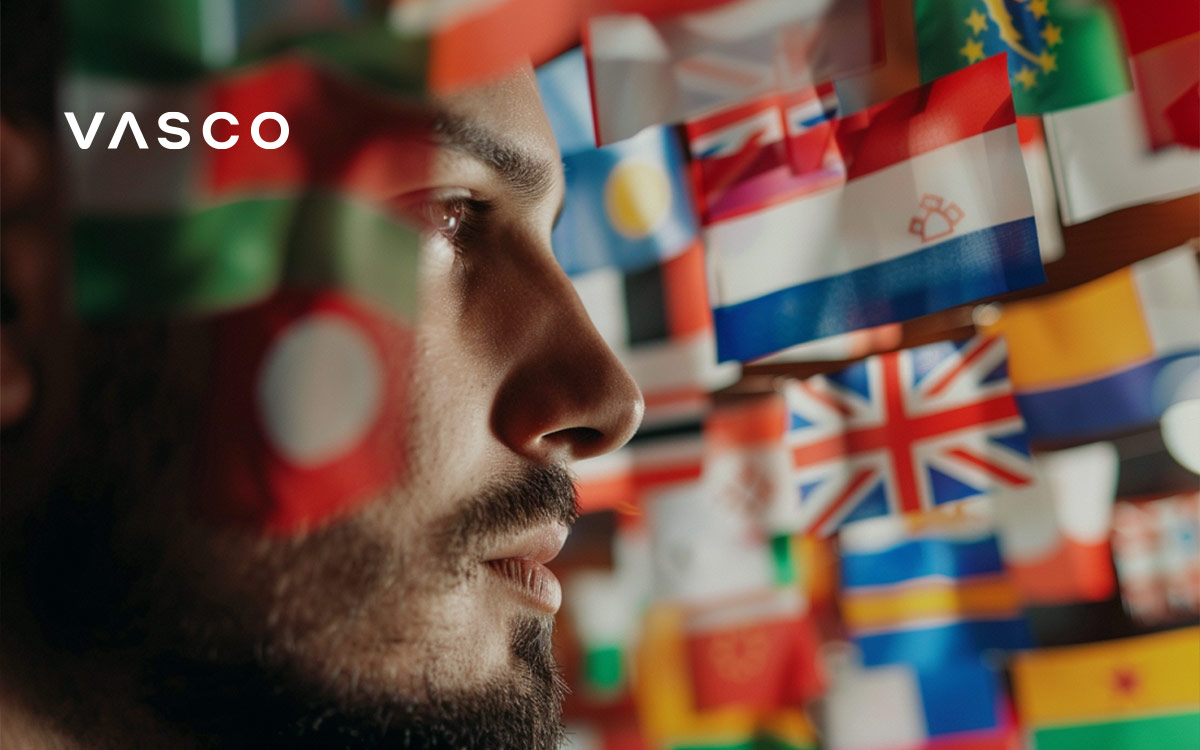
(904, 432)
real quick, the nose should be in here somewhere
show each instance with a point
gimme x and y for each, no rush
(566, 396)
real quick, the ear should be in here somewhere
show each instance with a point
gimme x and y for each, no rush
(28, 258)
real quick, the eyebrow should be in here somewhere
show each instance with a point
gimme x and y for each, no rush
(530, 177)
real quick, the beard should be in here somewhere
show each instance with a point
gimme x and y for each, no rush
(107, 571)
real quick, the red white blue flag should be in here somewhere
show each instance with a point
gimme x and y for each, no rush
(903, 432)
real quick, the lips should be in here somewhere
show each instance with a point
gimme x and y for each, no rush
(520, 565)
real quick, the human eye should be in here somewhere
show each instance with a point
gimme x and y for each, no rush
(459, 219)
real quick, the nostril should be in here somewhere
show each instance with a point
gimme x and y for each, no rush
(581, 440)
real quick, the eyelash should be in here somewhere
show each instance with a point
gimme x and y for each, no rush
(469, 217)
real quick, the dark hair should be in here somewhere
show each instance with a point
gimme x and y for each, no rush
(30, 52)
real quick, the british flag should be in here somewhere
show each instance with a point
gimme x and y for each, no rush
(904, 432)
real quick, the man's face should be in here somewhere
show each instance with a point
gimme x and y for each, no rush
(424, 616)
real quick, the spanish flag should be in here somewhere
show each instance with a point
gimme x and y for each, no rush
(1129, 694)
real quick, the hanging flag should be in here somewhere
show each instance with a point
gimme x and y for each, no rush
(1164, 44)
(902, 707)
(1106, 356)
(742, 157)
(1060, 54)
(1101, 161)
(1156, 548)
(902, 432)
(1128, 694)
(666, 705)
(759, 653)
(646, 72)
(928, 597)
(935, 212)
(1041, 187)
(1054, 532)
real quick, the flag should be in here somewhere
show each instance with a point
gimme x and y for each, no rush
(1139, 693)
(742, 156)
(1041, 187)
(1156, 548)
(935, 212)
(1054, 532)
(606, 607)
(1105, 356)
(1101, 162)
(1164, 46)
(646, 71)
(309, 403)
(1059, 54)
(843, 346)
(902, 707)
(930, 596)
(759, 653)
(296, 254)
(903, 432)
(667, 709)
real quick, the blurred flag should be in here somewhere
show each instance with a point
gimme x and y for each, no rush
(903, 707)
(1156, 547)
(902, 432)
(1054, 532)
(667, 707)
(935, 212)
(929, 596)
(1138, 693)
(606, 607)
(1060, 54)
(1041, 187)
(1105, 356)
(759, 652)
(646, 71)
(311, 346)
(308, 407)
(742, 156)
(1101, 160)
(628, 205)
(1164, 43)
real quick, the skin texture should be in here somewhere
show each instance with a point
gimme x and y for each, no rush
(131, 619)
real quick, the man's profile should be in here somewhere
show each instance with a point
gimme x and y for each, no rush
(421, 618)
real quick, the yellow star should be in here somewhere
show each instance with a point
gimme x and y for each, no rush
(1026, 77)
(1038, 8)
(973, 51)
(977, 21)
(1047, 62)
(1052, 34)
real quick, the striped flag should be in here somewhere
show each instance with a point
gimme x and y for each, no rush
(1106, 356)
(929, 596)
(902, 432)
(1101, 161)
(646, 71)
(1054, 532)
(1164, 47)
(1156, 548)
(1128, 694)
(935, 211)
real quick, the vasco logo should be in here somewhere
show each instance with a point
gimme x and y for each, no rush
(128, 123)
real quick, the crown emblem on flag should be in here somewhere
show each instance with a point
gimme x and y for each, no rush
(1028, 38)
(936, 219)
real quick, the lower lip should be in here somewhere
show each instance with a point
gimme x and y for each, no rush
(531, 580)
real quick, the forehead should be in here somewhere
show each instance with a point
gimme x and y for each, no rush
(510, 111)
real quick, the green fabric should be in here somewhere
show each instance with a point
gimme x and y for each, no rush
(761, 742)
(238, 253)
(784, 559)
(604, 669)
(1178, 732)
(1060, 53)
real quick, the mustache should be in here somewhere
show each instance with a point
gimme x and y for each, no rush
(542, 494)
